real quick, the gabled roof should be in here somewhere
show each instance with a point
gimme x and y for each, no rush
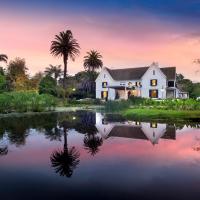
(137, 73)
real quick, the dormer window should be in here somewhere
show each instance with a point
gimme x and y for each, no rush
(153, 82)
(104, 84)
(170, 83)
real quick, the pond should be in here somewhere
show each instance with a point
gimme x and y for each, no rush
(85, 155)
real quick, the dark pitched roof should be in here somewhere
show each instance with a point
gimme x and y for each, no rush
(128, 132)
(128, 73)
(137, 73)
(170, 72)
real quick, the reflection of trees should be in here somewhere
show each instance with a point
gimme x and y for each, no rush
(92, 142)
(65, 161)
(3, 151)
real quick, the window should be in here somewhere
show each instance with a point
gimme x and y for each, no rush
(138, 84)
(104, 94)
(153, 125)
(170, 83)
(154, 73)
(153, 93)
(153, 82)
(104, 84)
(104, 76)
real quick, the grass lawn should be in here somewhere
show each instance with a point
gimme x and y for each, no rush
(145, 114)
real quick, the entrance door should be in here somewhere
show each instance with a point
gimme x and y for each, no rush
(104, 95)
(153, 93)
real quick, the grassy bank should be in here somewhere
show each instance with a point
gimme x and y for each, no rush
(140, 108)
(26, 102)
(146, 114)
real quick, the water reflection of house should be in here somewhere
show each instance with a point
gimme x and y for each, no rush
(136, 130)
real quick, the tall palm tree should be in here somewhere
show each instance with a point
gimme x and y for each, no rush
(54, 70)
(92, 61)
(3, 58)
(65, 46)
(66, 160)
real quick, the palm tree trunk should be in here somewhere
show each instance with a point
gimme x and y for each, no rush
(65, 58)
(65, 140)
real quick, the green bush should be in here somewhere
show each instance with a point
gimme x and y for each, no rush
(47, 86)
(167, 104)
(26, 101)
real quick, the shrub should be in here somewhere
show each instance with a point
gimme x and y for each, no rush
(47, 86)
(26, 101)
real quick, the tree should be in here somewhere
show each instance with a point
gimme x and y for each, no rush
(92, 61)
(16, 71)
(66, 160)
(183, 84)
(92, 142)
(3, 58)
(35, 81)
(47, 86)
(54, 71)
(2, 71)
(2, 83)
(65, 46)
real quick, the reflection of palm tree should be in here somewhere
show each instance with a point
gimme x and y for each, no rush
(3, 151)
(66, 160)
(92, 143)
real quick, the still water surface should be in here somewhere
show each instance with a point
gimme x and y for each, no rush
(83, 155)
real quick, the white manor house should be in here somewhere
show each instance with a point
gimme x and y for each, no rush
(147, 82)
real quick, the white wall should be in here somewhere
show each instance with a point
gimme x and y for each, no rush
(104, 76)
(161, 82)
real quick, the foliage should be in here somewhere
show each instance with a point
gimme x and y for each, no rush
(158, 114)
(92, 61)
(17, 68)
(54, 71)
(25, 101)
(66, 46)
(167, 104)
(187, 85)
(2, 83)
(47, 86)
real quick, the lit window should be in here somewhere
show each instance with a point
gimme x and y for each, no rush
(153, 93)
(153, 82)
(104, 94)
(104, 84)
(153, 125)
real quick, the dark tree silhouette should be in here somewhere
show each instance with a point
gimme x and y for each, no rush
(54, 71)
(3, 151)
(65, 161)
(92, 62)
(92, 142)
(65, 46)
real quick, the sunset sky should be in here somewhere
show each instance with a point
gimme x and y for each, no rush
(128, 33)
